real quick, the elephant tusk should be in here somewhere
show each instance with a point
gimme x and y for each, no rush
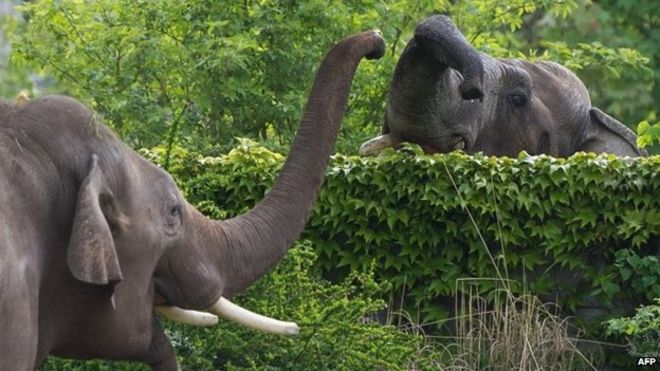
(22, 98)
(188, 317)
(233, 312)
(375, 145)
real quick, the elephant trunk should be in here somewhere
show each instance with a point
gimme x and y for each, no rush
(440, 38)
(255, 241)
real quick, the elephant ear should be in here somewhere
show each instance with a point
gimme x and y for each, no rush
(91, 256)
(604, 133)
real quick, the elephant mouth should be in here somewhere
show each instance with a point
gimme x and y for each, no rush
(458, 143)
(159, 299)
(441, 144)
(429, 150)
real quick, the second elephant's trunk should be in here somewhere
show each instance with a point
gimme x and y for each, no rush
(440, 38)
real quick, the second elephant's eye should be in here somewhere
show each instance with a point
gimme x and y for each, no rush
(518, 99)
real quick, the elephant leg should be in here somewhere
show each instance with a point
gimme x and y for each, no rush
(19, 303)
(160, 356)
(18, 346)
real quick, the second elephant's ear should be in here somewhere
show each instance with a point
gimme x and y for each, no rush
(604, 133)
(91, 255)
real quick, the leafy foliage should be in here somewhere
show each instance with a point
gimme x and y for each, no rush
(574, 227)
(168, 71)
(194, 73)
(12, 78)
(642, 273)
(648, 134)
(642, 330)
(335, 331)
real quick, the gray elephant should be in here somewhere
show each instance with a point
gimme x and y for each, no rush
(445, 95)
(92, 234)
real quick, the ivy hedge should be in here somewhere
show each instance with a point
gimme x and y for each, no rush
(582, 231)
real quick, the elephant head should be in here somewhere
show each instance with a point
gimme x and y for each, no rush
(91, 234)
(445, 95)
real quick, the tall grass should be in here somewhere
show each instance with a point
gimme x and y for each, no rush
(499, 331)
(502, 331)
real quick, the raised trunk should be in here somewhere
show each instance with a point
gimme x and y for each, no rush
(440, 38)
(258, 239)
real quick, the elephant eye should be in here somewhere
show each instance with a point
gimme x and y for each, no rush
(518, 99)
(173, 218)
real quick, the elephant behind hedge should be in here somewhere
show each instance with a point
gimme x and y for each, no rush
(445, 95)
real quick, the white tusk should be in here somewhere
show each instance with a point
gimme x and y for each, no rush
(188, 317)
(375, 145)
(233, 312)
(22, 98)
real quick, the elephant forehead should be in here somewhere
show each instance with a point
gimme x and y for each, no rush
(514, 76)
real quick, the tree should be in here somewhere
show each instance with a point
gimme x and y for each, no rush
(201, 74)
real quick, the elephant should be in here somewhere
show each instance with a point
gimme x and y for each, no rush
(445, 95)
(93, 236)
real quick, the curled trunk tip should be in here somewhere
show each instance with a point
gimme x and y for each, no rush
(441, 39)
(378, 50)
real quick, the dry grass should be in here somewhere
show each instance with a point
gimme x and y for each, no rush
(502, 331)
